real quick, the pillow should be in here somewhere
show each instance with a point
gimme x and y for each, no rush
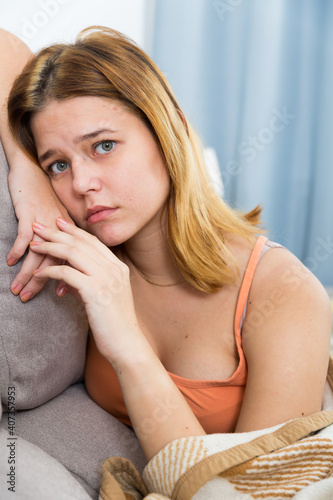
(42, 342)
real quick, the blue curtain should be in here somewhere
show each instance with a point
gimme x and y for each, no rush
(255, 78)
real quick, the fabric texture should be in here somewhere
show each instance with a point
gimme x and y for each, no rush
(79, 435)
(42, 342)
(63, 437)
(290, 460)
(215, 403)
(255, 79)
(37, 475)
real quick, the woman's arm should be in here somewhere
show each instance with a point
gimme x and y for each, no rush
(32, 195)
(13, 57)
(286, 341)
(157, 409)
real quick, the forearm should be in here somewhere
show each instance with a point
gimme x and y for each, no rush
(14, 56)
(157, 409)
(15, 156)
(32, 195)
(24, 173)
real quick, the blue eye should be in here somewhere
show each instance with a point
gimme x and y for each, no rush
(58, 167)
(104, 147)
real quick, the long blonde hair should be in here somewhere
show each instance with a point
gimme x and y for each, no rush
(105, 63)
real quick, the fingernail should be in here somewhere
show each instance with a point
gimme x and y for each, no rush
(16, 288)
(26, 296)
(38, 225)
(62, 292)
(35, 243)
(61, 220)
(11, 261)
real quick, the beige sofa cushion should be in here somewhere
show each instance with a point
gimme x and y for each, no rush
(42, 342)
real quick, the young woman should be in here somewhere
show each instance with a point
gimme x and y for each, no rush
(198, 325)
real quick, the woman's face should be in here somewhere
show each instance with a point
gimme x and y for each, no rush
(105, 166)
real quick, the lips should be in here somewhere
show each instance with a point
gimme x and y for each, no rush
(99, 213)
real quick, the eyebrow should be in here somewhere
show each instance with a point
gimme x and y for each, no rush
(81, 138)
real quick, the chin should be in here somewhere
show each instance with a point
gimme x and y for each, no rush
(109, 237)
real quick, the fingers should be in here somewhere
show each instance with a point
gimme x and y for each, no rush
(32, 262)
(83, 236)
(77, 257)
(26, 284)
(73, 237)
(72, 278)
(24, 236)
(82, 252)
(62, 288)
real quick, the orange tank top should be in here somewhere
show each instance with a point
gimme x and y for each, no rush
(215, 403)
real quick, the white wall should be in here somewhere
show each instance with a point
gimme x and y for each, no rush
(41, 22)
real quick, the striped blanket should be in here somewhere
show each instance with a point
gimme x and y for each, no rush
(290, 460)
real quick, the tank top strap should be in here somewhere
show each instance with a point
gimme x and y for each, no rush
(247, 282)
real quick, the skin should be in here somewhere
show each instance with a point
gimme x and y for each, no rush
(294, 332)
(132, 180)
(125, 173)
(24, 177)
(289, 348)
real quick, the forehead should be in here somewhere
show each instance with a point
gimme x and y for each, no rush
(83, 108)
(62, 126)
(69, 118)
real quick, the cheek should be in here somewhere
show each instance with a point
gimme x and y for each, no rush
(150, 190)
(155, 177)
(162, 182)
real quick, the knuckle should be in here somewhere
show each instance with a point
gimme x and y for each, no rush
(25, 274)
(36, 285)
(73, 249)
(64, 272)
(24, 277)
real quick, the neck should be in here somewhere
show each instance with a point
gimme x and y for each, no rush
(152, 258)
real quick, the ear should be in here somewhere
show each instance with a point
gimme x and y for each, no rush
(183, 119)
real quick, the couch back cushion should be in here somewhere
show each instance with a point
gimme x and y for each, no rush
(42, 342)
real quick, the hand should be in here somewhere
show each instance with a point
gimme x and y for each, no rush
(100, 279)
(32, 197)
(102, 282)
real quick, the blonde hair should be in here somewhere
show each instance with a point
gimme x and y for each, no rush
(105, 63)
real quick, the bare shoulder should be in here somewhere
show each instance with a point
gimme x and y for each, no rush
(282, 283)
(286, 341)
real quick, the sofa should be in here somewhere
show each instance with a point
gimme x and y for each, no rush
(53, 438)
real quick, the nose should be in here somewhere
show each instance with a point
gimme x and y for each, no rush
(84, 176)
